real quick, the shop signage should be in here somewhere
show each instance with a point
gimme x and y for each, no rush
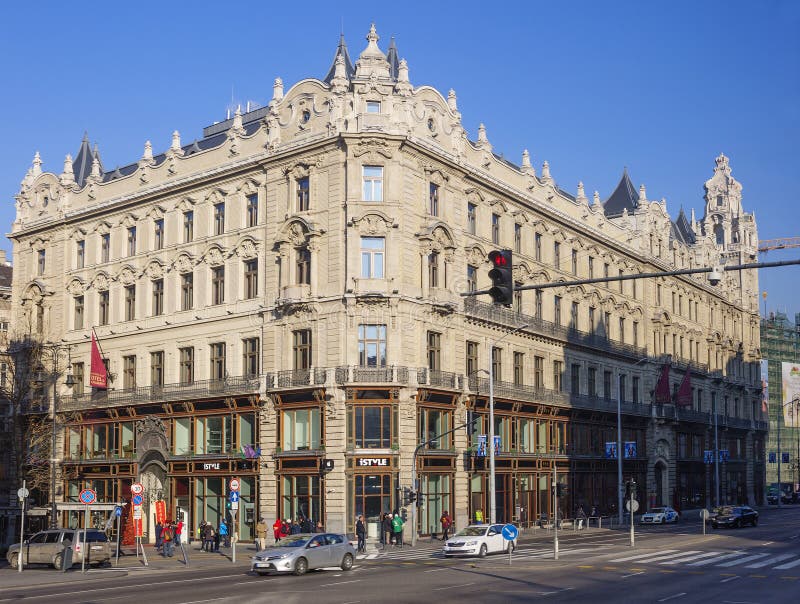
(373, 462)
(211, 466)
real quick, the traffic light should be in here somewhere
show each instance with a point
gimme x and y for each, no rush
(472, 422)
(630, 489)
(407, 494)
(412, 497)
(633, 489)
(227, 504)
(404, 515)
(501, 274)
(418, 498)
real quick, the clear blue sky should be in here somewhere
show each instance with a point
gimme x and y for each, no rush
(661, 88)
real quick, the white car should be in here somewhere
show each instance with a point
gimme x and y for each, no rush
(478, 540)
(660, 516)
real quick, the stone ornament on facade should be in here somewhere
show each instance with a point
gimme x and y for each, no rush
(127, 275)
(154, 270)
(101, 282)
(214, 256)
(246, 249)
(373, 147)
(75, 287)
(183, 263)
(373, 223)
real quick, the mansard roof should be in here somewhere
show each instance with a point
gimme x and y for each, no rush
(348, 64)
(624, 197)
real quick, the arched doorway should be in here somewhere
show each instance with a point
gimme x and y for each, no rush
(152, 448)
(662, 483)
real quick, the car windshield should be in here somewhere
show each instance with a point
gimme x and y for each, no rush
(657, 511)
(472, 531)
(293, 541)
(726, 510)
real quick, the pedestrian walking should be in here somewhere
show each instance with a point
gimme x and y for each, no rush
(295, 530)
(167, 538)
(178, 531)
(361, 533)
(387, 529)
(224, 535)
(261, 534)
(217, 536)
(446, 523)
(397, 529)
(208, 537)
(286, 528)
(159, 538)
(276, 530)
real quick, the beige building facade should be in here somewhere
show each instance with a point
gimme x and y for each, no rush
(284, 294)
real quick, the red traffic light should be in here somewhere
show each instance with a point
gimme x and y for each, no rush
(498, 259)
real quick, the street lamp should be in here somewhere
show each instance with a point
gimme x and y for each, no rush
(796, 404)
(620, 485)
(55, 350)
(492, 486)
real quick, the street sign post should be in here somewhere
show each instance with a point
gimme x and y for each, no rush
(20, 557)
(704, 516)
(234, 484)
(510, 532)
(87, 497)
(137, 488)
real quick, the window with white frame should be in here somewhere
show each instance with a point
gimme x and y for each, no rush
(372, 345)
(372, 257)
(373, 183)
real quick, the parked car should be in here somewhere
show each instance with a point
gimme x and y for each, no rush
(660, 516)
(735, 517)
(47, 547)
(300, 553)
(478, 540)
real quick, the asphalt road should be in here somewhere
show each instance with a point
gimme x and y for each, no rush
(668, 564)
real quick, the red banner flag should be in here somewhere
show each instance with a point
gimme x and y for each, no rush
(684, 396)
(98, 377)
(662, 393)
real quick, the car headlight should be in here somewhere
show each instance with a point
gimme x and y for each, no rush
(471, 543)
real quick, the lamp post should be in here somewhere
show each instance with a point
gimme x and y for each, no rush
(620, 485)
(55, 350)
(492, 486)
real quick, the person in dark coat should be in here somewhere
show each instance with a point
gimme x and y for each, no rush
(387, 529)
(159, 531)
(361, 533)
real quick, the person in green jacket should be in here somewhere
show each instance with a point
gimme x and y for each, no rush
(397, 529)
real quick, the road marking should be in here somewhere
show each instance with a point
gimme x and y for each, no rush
(452, 586)
(788, 565)
(768, 543)
(772, 560)
(667, 557)
(340, 583)
(201, 601)
(741, 560)
(683, 593)
(733, 578)
(693, 557)
(758, 576)
(586, 566)
(435, 570)
(632, 575)
(717, 559)
(645, 555)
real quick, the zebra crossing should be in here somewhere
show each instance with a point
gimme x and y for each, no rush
(522, 552)
(739, 559)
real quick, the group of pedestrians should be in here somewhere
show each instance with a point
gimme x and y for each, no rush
(392, 529)
(284, 528)
(211, 537)
(168, 535)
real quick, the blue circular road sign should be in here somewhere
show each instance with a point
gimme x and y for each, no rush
(510, 532)
(87, 496)
(137, 500)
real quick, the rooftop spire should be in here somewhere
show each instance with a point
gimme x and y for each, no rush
(392, 57)
(372, 62)
(82, 165)
(341, 51)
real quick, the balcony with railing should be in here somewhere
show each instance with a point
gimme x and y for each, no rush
(232, 385)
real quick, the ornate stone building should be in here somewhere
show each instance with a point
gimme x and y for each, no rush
(291, 281)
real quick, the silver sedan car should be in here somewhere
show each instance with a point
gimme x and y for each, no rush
(300, 553)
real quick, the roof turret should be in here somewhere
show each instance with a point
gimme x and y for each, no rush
(393, 58)
(341, 51)
(624, 197)
(82, 164)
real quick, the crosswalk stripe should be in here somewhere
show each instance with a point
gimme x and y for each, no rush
(772, 560)
(690, 558)
(717, 559)
(788, 565)
(666, 557)
(741, 560)
(637, 556)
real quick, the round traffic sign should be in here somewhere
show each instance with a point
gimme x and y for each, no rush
(635, 505)
(137, 488)
(137, 500)
(510, 532)
(234, 484)
(87, 496)
(704, 514)
(23, 493)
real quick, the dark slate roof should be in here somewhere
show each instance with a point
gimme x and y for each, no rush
(394, 60)
(349, 70)
(624, 197)
(682, 229)
(82, 164)
(250, 121)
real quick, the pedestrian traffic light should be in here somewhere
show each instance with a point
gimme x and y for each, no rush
(472, 422)
(501, 274)
(227, 504)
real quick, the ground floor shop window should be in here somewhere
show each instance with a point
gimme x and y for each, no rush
(211, 504)
(436, 498)
(300, 497)
(371, 495)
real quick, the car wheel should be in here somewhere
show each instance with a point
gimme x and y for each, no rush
(737, 524)
(58, 561)
(14, 560)
(347, 562)
(301, 566)
(261, 574)
(483, 551)
(714, 525)
(663, 520)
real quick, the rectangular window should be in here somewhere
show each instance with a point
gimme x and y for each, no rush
(607, 385)
(573, 316)
(472, 358)
(575, 378)
(218, 285)
(557, 310)
(538, 297)
(557, 254)
(472, 278)
(217, 359)
(250, 278)
(129, 372)
(537, 244)
(374, 427)
(301, 349)
(250, 357)
(80, 249)
(591, 267)
(157, 368)
(622, 329)
(635, 330)
(373, 106)
(372, 345)
(558, 375)
(635, 389)
(433, 269)
(495, 228)
(517, 296)
(592, 319)
(605, 271)
(219, 218)
(574, 262)
(188, 226)
(472, 211)
(433, 199)
(538, 372)
(373, 183)
(132, 241)
(434, 351)
(79, 308)
(130, 302)
(674, 310)
(186, 365)
(41, 262)
(592, 381)
(103, 308)
(658, 294)
(187, 291)
(518, 238)
(607, 324)
(300, 431)
(497, 363)
(621, 283)
(303, 194)
(519, 368)
(252, 210)
(158, 234)
(158, 297)
(105, 247)
(77, 375)
(372, 253)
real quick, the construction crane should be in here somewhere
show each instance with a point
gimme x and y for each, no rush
(778, 244)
